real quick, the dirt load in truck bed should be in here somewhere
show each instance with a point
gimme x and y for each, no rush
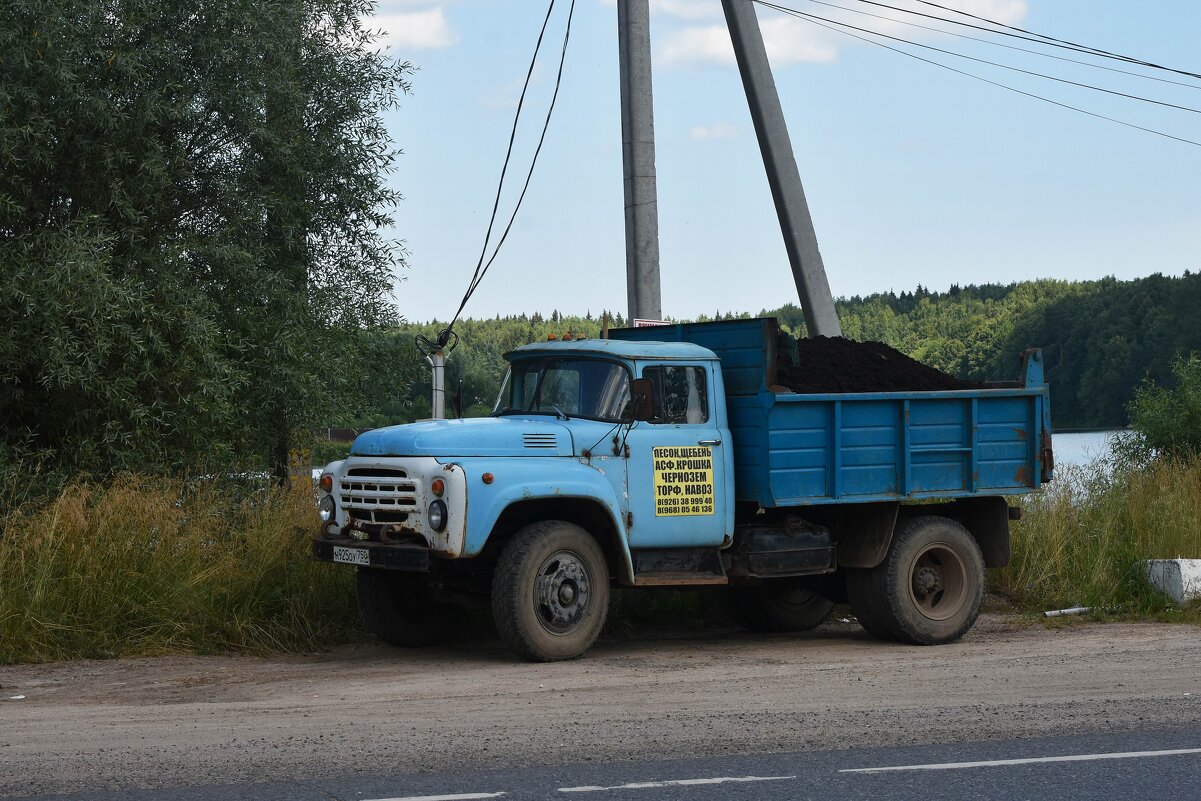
(835, 364)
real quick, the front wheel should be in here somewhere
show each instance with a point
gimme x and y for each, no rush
(550, 591)
(780, 605)
(929, 588)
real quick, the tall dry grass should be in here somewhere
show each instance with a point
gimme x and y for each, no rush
(145, 565)
(1080, 541)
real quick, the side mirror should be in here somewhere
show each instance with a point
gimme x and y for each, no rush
(642, 399)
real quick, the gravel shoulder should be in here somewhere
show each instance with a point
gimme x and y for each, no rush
(142, 723)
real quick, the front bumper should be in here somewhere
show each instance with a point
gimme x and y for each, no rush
(387, 556)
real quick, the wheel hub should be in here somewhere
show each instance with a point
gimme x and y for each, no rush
(926, 581)
(562, 592)
(938, 581)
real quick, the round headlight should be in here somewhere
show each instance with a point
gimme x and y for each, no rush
(327, 508)
(437, 515)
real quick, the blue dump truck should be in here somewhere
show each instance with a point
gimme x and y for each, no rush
(669, 456)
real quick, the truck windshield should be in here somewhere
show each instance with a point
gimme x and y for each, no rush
(591, 388)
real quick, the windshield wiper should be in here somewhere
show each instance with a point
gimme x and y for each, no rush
(559, 411)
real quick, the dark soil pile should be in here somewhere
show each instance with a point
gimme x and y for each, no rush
(834, 364)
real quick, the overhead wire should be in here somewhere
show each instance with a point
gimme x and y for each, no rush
(806, 15)
(1028, 50)
(840, 28)
(534, 160)
(1049, 41)
(1054, 40)
(447, 334)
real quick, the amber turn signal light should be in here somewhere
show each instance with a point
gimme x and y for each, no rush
(326, 483)
(488, 478)
(438, 486)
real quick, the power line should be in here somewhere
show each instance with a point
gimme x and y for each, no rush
(481, 267)
(1037, 38)
(805, 15)
(982, 40)
(1053, 39)
(810, 19)
(537, 151)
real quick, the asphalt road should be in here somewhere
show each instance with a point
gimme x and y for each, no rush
(1164, 765)
(370, 722)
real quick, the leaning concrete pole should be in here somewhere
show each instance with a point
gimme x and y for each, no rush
(800, 239)
(638, 156)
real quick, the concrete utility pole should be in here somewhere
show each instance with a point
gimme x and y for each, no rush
(800, 239)
(638, 155)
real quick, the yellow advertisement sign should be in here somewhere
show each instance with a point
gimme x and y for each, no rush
(683, 481)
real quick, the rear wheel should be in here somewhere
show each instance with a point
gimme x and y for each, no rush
(780, 605)
(550, 591)
(929, 588)
(399, 609)
(864, 603)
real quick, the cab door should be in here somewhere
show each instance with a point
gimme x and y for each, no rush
(680, 481)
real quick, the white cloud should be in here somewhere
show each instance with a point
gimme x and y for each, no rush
(683, 9)
(421, 30)
(715, 132)
(792, 40)
(787, 41)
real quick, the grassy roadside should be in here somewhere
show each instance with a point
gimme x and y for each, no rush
(143, 565)
(1080, 541)
(151, 566)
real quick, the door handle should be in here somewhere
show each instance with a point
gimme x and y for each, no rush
(709, 442)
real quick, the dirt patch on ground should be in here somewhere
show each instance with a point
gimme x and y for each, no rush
(180, 720)
(835, 364)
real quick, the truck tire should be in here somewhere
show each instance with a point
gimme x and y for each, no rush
(779, 605)
(864, 604)
(550, 591)
(398, 608)
(929, 588)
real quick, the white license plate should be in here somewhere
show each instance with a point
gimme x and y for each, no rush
(352, 556)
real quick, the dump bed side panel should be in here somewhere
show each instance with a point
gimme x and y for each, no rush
(811, 449)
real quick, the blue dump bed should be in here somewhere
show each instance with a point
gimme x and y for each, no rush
(792, 450)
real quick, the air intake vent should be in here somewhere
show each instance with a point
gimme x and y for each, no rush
(539, 440)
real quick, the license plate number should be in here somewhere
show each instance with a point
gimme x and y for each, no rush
(352, 556)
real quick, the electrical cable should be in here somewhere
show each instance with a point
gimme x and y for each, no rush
(533, 161)
(981, 40)
(1052, 38)
(803, 14)
(808, 17)
(1037, 38)
(481, 267)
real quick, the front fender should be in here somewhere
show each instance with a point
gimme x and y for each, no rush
(516, 480)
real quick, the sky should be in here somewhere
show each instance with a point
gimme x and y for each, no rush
(914, 174)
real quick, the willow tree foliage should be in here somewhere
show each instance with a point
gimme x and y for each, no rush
(191, 203)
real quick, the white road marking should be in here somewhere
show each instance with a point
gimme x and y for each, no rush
(675, 783)
(1030, 761)
(451, 797)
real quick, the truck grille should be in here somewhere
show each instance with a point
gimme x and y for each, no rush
(377, 495)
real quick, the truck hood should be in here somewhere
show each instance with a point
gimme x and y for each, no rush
(480, 436)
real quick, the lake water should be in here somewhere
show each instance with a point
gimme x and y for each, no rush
(1082, 448)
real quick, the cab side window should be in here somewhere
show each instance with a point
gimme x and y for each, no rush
(681, 394)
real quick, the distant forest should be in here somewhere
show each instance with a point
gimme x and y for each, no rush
(1101, 339)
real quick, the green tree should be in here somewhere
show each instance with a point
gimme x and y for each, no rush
(1167, 420)
(191, 201)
